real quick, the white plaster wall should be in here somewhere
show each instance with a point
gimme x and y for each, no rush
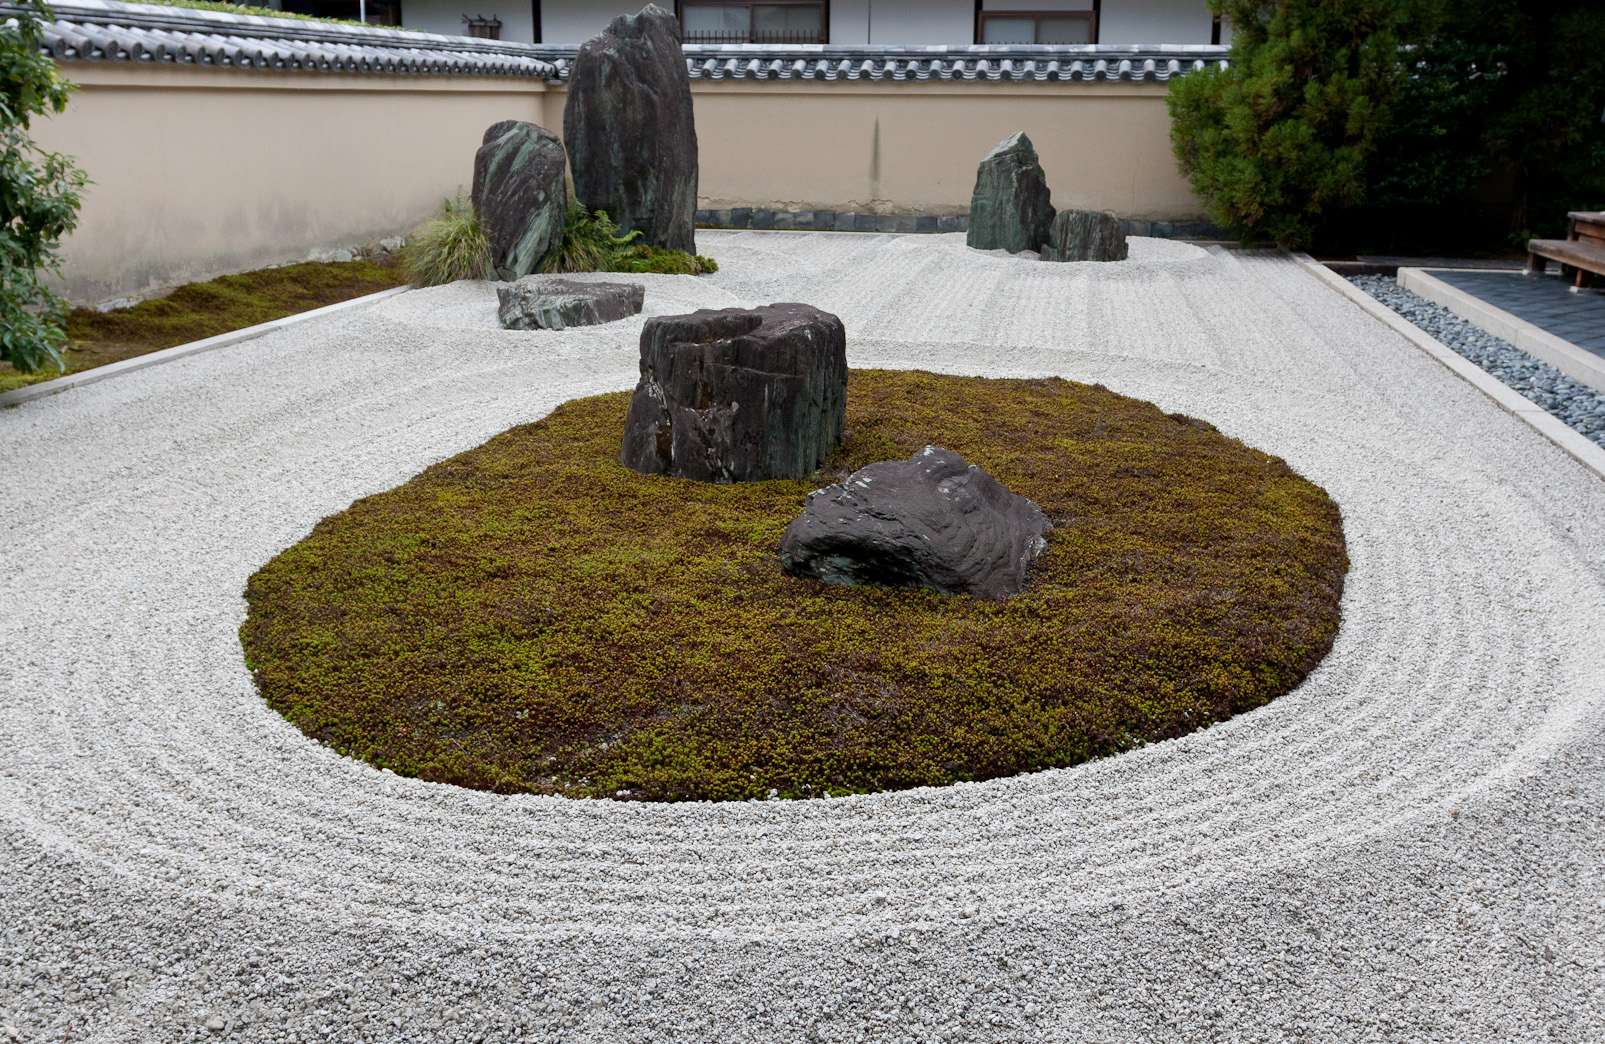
(446, 16)
(576, 21)
(1151, 22)
(908, 23)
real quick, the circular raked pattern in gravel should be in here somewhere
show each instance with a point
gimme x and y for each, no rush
(533, 616)
(1385, 852)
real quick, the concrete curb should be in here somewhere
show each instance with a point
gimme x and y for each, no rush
(139, 362)
(1536, 417)
(1558, 352)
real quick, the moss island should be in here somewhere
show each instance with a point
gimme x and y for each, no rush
(530, 616)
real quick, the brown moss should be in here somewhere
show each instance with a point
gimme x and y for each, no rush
(531, 616)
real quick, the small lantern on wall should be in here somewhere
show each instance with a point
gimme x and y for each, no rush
(482, 27)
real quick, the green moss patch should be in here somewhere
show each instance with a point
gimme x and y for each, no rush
(532, 616)
(199, 310)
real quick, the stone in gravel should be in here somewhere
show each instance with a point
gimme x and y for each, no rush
(931, 521)
(519, 194)
(1011, 208)
(1086, 235)
(539, 303)
(738, 395)
(628, 124)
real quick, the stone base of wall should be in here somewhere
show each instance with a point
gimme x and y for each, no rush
(843, 221)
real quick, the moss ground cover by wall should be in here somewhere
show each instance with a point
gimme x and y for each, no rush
(217, 306)
(531, 616)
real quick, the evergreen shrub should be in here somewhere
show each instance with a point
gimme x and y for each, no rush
(40, 194)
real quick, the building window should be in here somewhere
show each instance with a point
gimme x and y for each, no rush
(482, 27)
(378, 12)
(1037, 27)
(795, 22)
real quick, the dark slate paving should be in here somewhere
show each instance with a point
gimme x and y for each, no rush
(1547, 302)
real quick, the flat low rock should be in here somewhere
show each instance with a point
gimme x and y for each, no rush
(1086, 235)
(738, 395)
(931, 521)
(519, 194)
(544, 303)
(1011, 208)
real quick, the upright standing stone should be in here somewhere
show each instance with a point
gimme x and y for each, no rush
(519, 194)
(631, 140)
(1086, 235)
(738, 395)
(1011, 208)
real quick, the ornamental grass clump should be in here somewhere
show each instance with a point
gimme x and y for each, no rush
(532, 616)
(450, 247)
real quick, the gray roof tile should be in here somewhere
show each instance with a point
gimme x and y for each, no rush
(106, 30)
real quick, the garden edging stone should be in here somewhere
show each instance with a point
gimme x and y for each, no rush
(1524, 409)
(1576, 363)
(179, 351)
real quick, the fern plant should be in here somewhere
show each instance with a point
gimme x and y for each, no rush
(591, 243)
(450, 247)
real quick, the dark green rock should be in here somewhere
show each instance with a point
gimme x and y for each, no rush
(519, 194)
(545, 303)
(1086, 235)
(738, 395)
(631, 140)
(1011, 208)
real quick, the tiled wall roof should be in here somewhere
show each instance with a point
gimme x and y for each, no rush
(106, 30)
(1038, 63)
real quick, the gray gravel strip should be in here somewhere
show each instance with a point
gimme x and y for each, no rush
(1409, 847)
(1574, 403)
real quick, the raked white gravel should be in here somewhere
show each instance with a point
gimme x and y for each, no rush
(1409, 847)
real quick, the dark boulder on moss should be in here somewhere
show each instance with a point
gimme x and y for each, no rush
(1086, 235)
(542, 303)
(738, 395)
(519, 194)
(631, 139)
(1011, 208)
(930, 521)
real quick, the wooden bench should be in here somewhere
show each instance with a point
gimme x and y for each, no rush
(1581, 254)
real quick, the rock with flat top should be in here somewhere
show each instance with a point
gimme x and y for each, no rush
(738, 395)
(930, 521)
(544, 303)
(519, 195)
(1011, 208)
(631, 139)
(1086, 235)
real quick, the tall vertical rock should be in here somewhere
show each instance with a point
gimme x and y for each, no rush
(1011, 208)
(1086, 235)
(519, 194)
(738, 395)
(631, 140)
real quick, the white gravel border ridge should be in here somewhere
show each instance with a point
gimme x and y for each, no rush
(1409, 847)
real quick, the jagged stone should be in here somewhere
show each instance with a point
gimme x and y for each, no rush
(1086, 235)
(519, 195)
(1011, 208)
(631, 138)
(930, 521)
(738, 395)
(544, 303)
